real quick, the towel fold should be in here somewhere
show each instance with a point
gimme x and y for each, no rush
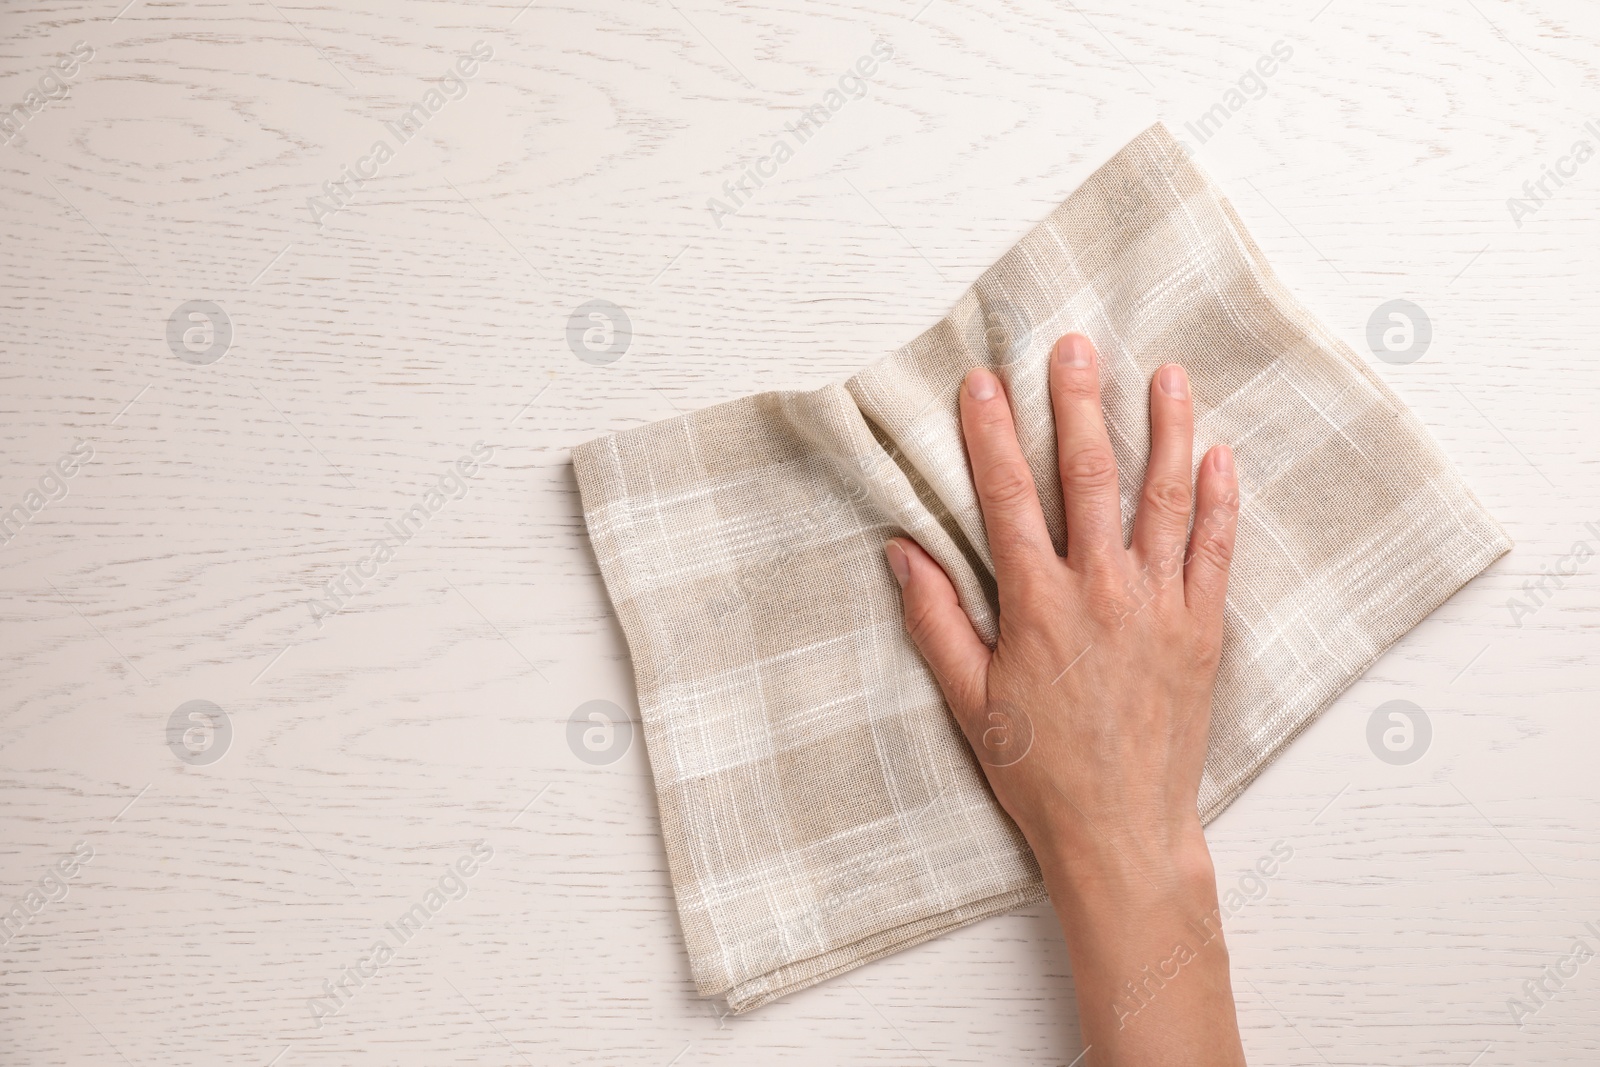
(819, 805)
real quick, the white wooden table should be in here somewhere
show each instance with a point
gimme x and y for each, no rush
(360, 344)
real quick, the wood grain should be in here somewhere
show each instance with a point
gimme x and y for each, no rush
(371, 351)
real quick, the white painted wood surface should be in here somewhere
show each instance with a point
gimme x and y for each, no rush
(371, 351)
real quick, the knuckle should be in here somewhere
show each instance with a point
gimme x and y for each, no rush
(991, 419)
(1215, 549)
(1111, 601)
(1110, 611)
(921, 622)
(1078, 386)
(1007, 487)
(1165, 565)
(1222, 512)
(1091, 468)
(1168, 497)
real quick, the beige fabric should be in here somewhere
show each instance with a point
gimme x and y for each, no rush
(819, 805)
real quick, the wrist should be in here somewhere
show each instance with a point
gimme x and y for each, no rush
(1171, 855)
(1149, 960)
(1131, 929)
(1108, 881)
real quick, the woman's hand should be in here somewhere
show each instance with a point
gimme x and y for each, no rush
(1090, 714)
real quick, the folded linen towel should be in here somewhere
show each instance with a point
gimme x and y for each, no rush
(819, 805)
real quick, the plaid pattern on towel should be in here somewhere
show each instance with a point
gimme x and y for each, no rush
(819, 805)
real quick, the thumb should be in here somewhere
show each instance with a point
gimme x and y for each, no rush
(939, 627)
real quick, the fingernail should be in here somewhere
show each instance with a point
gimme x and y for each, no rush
(1074, 350)
(898, 562)
(1223, 459)
(1174, 382)
(981, 385)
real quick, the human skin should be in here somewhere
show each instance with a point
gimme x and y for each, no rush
(1090, 714)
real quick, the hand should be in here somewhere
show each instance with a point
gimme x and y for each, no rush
(1090, 715)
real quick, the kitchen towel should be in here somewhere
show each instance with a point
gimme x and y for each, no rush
(819, 805)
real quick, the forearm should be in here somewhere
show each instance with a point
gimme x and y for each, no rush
(1148, 959)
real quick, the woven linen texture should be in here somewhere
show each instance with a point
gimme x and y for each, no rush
(819, 805)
